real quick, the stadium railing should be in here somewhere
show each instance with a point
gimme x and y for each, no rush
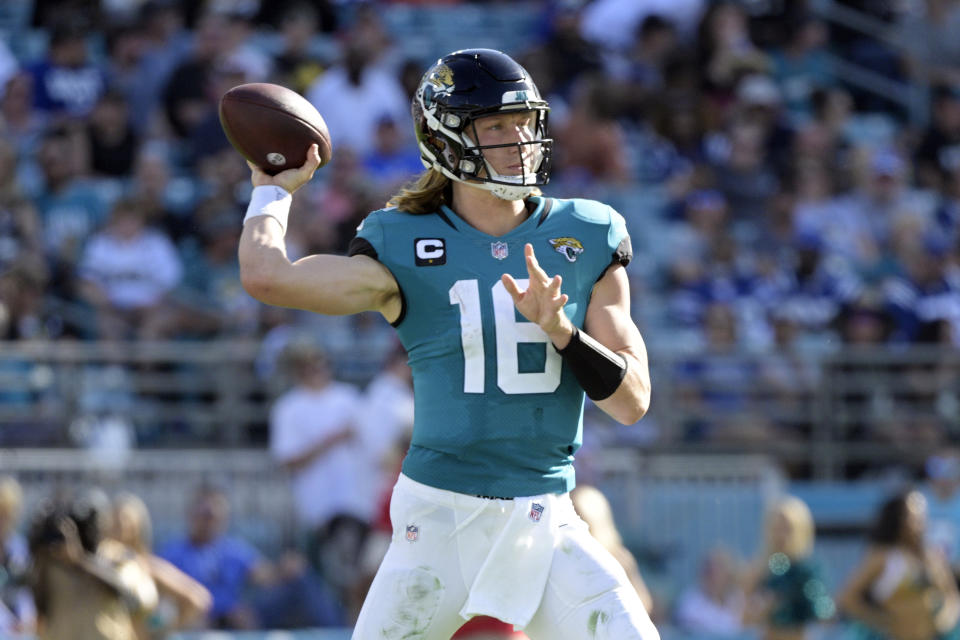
(823, 412)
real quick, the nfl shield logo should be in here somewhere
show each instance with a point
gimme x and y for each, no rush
(536, 510)
(499, 250)
(413, 532)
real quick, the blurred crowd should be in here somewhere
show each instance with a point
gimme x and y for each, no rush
(789, 206)
(81, 563)
(773, 207)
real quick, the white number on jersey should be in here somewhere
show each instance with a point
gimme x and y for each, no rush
(509, 333)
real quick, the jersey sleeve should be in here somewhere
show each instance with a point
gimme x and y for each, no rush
(369, 238)
(369, 242)
(618, 240)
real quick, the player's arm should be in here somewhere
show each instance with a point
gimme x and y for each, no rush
(852, 601)
(608, 357)
(328, 284)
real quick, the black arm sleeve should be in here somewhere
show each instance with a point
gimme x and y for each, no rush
(598, 369)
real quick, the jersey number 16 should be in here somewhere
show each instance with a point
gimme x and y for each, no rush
(509, 333)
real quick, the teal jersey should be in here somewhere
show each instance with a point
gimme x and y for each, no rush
(497, 413)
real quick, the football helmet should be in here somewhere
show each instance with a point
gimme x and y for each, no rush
(469, 84)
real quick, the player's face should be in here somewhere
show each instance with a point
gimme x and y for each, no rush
(509, 128)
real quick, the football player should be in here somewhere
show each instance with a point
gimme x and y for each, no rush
(510, 305)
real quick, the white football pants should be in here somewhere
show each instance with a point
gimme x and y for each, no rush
(426, 575)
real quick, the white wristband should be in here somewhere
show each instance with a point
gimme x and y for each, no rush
(270, 200)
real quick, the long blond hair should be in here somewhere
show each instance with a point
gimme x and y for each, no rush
(424, 195)
(799, 542)
(427, 192)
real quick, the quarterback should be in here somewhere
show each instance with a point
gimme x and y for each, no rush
(511, 306)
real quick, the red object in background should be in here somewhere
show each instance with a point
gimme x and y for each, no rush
(483, 624)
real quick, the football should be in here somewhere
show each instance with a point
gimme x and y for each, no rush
(272, 126)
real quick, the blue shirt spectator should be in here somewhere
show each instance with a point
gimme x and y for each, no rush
(925, 294)
(224, 564)
(65, 82)
(815, 291)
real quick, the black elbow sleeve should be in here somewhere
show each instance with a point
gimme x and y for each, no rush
(598, 369)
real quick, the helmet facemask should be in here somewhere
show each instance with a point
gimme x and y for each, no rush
(477, 170)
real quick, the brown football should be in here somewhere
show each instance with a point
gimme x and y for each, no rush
(272, 126)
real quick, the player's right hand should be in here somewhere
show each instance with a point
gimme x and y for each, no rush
(291, 179)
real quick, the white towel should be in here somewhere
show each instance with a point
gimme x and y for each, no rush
(512, 578)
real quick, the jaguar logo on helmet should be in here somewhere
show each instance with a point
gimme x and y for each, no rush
(441, 77)
(569, 248)
(467, 85)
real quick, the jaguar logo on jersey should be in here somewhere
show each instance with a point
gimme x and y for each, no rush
(429, 252)
(536, 510)
(413, 532)
(499, 250)
(570, 248)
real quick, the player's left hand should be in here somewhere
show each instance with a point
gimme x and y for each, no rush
(541, 302)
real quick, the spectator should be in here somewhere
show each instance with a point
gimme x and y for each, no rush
(125, 46)
(938, 153)
(226, 565)
(86, 586)
(789, 379)
(22, 125)
(802, 66)
(296, 66)
(943, 503)
(209, 301)
(165, 43)
(168, 202)
(592, 141)
(882, 200)
(715, 605)
(392, 161)
(565, 55)
(613, 23)
(111, 138)
(743, 172)
(902, 588)
(191, 601)
(814, 291)
(18, 614)
(333, 208)
(22, 315)
(656, 43)
(20, 232)
(928, 32)
(66, 83)
(785, 591)
(354, 96)
(8, 65)
(70, 209)
(926, 291)
(127, 271)
(714, 387)
(313, 434)
(725, 50)
(185, 95)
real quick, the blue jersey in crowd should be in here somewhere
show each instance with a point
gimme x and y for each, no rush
(497, 411)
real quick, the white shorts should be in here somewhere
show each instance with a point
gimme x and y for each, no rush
(429, 578)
